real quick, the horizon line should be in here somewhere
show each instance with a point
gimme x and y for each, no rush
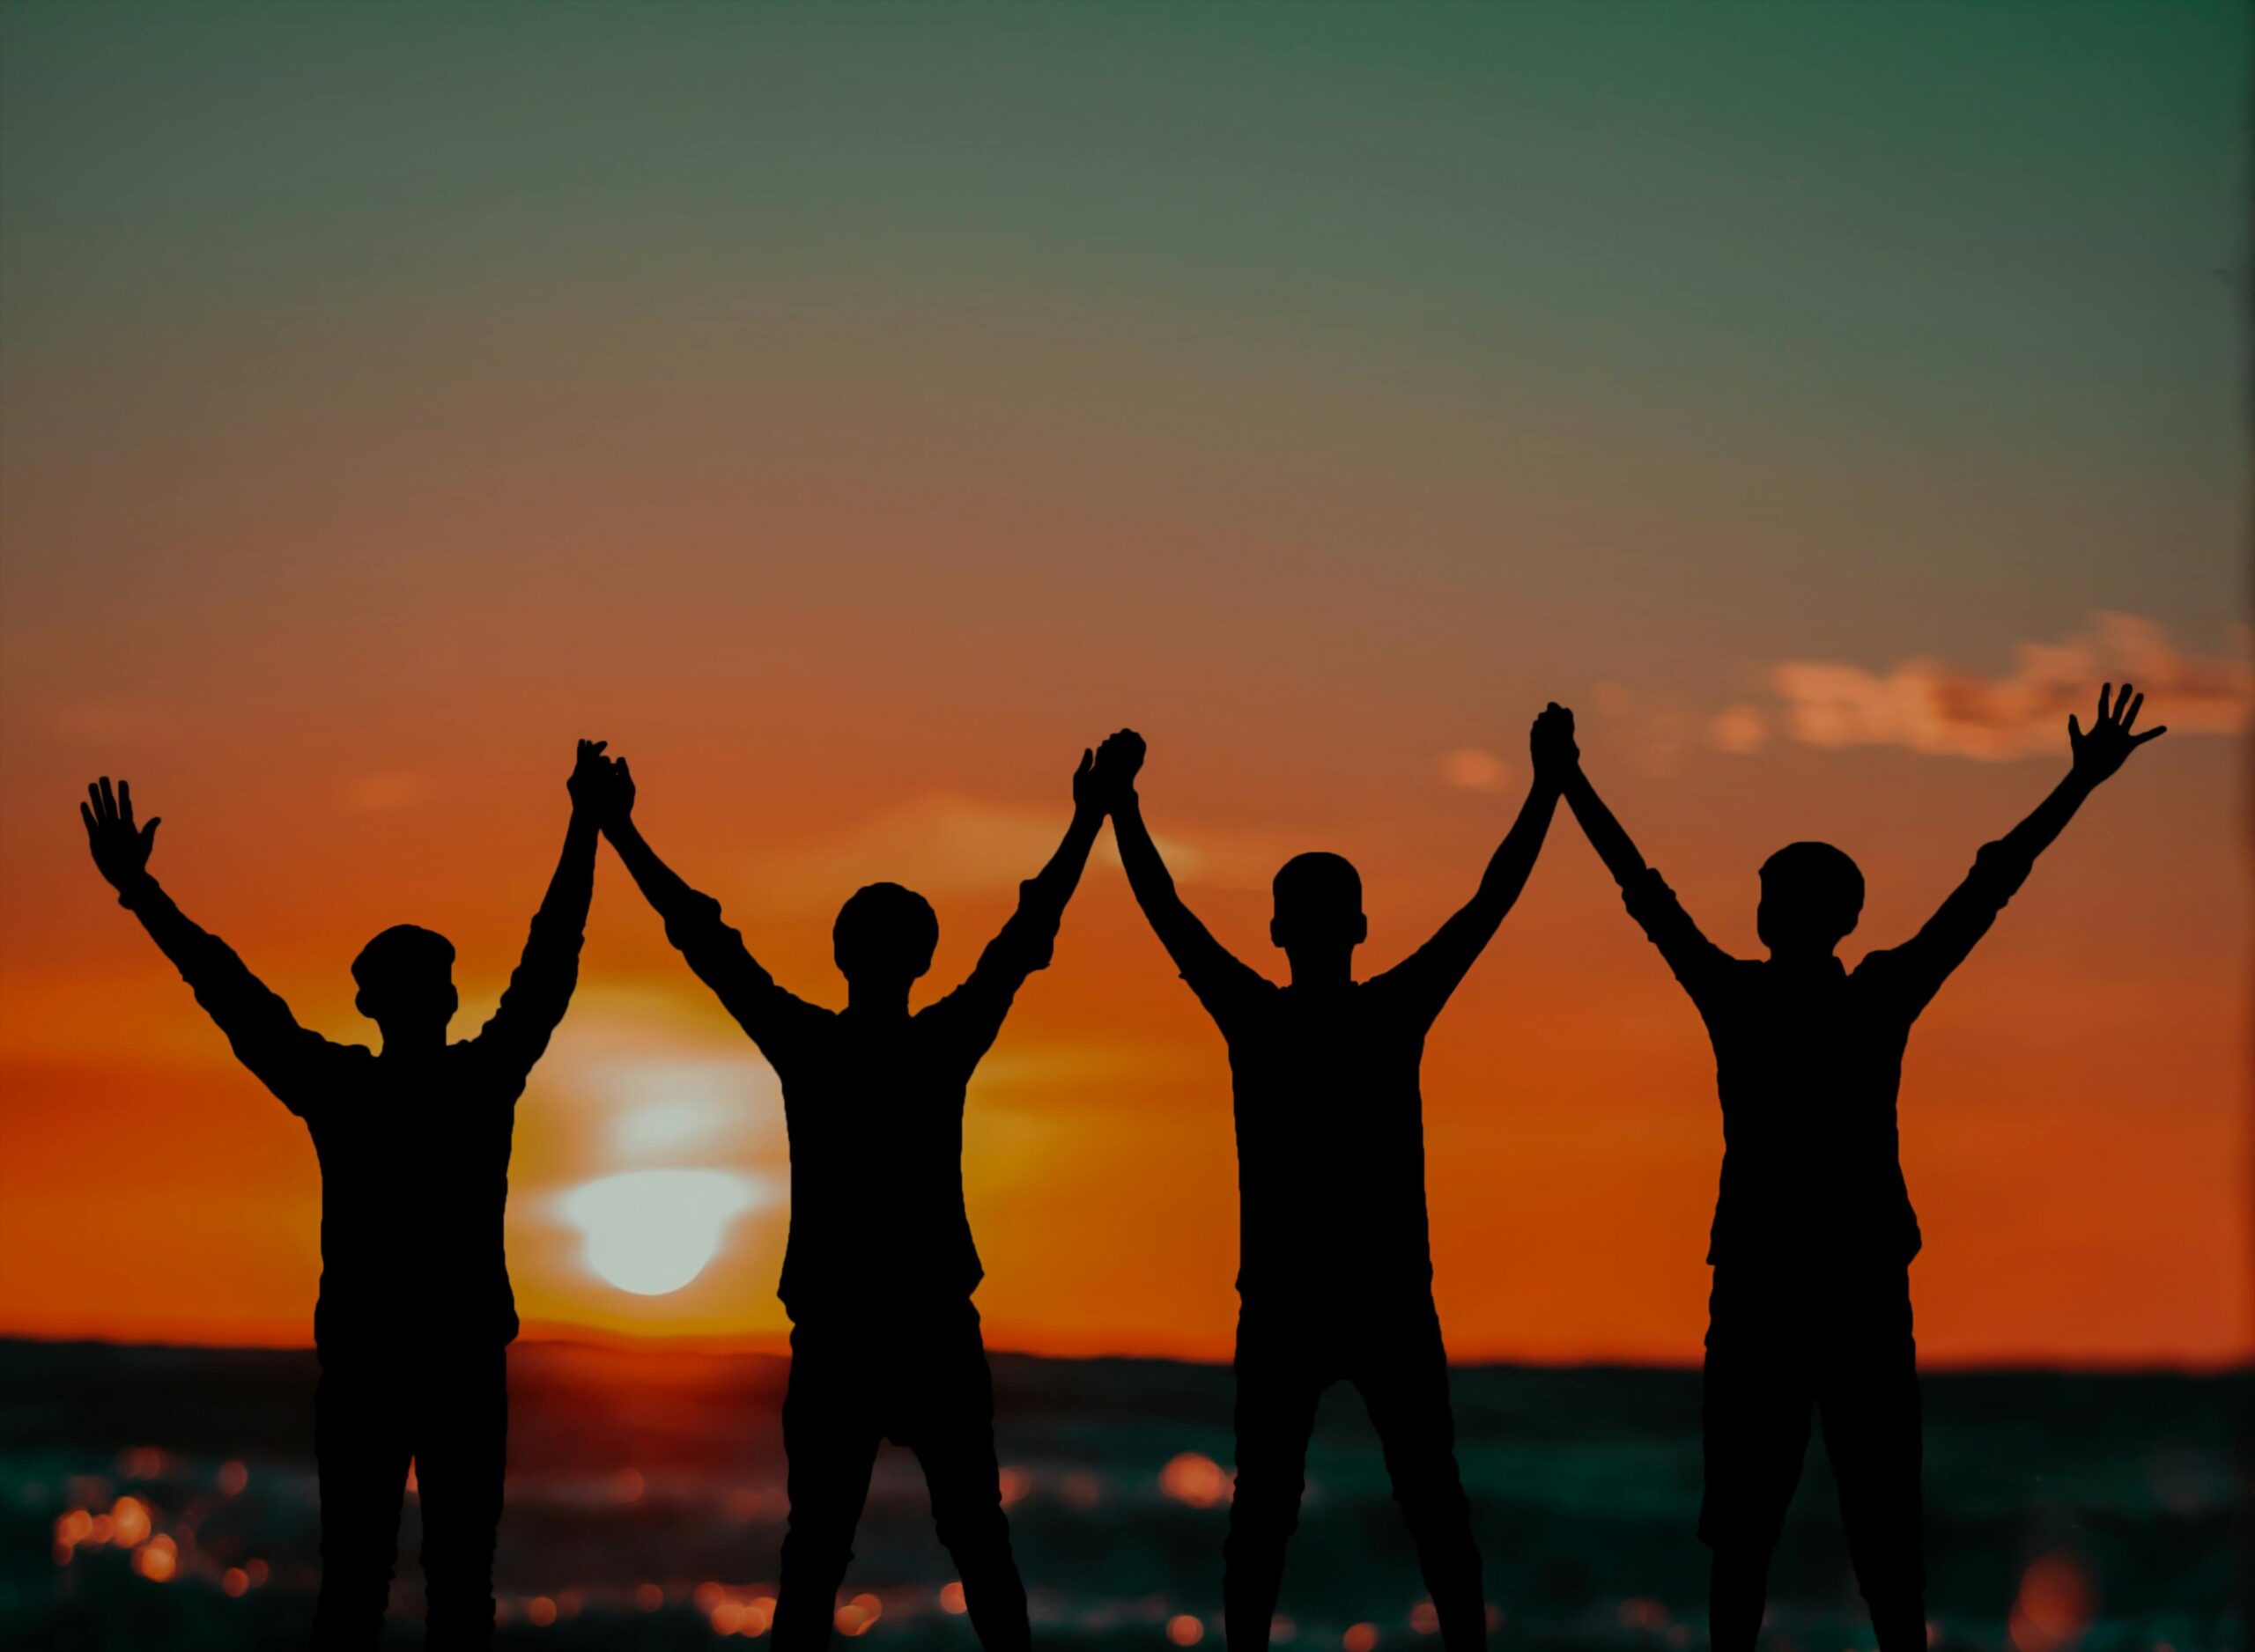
(588, 1340)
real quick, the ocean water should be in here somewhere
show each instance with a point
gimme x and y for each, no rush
(154, 1498)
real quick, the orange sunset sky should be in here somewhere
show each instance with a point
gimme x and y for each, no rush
(852, 421)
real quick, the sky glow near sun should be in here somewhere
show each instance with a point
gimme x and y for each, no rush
(659, 1128)
(651, 1232)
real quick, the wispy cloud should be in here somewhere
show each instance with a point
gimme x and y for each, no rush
(1471, 770)
(1740, 730)
(1926, 705)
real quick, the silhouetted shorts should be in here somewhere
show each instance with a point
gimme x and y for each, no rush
(1391, 1351)
(920, 1378)
(1781, 1347)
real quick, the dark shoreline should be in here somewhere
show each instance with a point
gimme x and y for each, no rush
(1584, 1483)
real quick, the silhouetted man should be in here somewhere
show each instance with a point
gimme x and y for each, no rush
(415, 1314)
(879, 1268)
(1334, 1276)
(1814, 1232)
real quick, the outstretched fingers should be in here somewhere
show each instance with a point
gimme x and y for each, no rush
(110, 805)
(2111, 738)
(119, 844)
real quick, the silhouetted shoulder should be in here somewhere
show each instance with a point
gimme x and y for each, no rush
(1027, 940)
(1888, 978)
(317, 1075)
(1695, 962)
(484, 1051)
(1419, 987)
(794, 1016)
(1406, 990)
(715, 951)
(1649, 899)
(971, 1017)
(1914, 971)
(1232, 990)
(295, 1063)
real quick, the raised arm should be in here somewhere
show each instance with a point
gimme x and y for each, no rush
(1605, 834)
(713, 950)
(2097, 757)
(1689, 953)
(540, 989)
(1042, 898)
(1213, 971)
(1432, 972)
(259, 1027)
(2001, 867)
(1029, 935)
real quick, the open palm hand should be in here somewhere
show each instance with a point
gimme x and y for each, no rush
(120, 848)
(2102, 750)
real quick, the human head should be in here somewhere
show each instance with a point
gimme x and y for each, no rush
(1318, 904)
(884, 935)
(406, 977)
(1812, 894)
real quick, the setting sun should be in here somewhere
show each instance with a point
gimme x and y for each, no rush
(651, 1232)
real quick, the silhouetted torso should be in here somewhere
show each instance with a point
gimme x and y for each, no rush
(1808, 1058)
(1330, 1132)
(410, 1236)
(874, 1107)
(414, 1150)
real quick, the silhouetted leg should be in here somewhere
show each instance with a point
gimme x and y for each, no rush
(1278, 1384)
(1404, 1383)
(1738, 1596)
(461, 1457)
(1753, 1427)
(360, 1447)
(1871, 1417)
(830, 1432)
(952, 1434)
